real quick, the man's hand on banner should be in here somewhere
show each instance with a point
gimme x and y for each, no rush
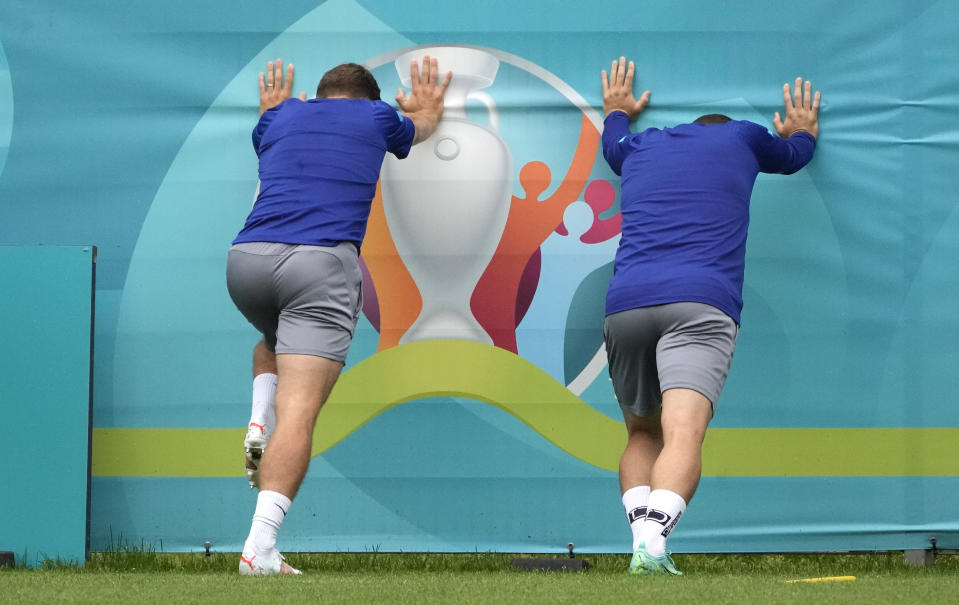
(273, 89)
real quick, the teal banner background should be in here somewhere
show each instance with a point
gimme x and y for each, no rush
(46, 329)
(129, 127)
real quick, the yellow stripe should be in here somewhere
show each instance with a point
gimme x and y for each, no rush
(168, 452)
(887, 452)
(728, 452)
(486, 373)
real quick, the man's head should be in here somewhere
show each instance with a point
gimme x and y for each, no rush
(348, 80)
(712, 118)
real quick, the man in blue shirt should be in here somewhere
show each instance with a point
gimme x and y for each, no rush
(293, 270)
(674, 301)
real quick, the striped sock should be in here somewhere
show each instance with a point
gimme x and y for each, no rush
(662, 514)
(634, 501)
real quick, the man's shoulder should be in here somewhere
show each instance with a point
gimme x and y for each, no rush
(644, 135)
(351, 113)
(751, 132)
(733, 129)
(732, 125)
(363, 109)
(748, 128)
(382, 108)
(746, 124)
(342, 105)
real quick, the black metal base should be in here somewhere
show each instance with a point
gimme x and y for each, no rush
(555, 564)
(6, 558)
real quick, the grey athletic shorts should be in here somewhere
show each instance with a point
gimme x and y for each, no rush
(685, 345)
(303, 299)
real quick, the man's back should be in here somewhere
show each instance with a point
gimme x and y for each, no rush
(685, 206)
(319, 163)
(674, 301)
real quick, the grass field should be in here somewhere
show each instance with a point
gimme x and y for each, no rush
(145, 577)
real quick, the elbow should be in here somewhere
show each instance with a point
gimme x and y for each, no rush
(614, 162)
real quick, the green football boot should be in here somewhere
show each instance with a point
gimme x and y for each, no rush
(644, 563)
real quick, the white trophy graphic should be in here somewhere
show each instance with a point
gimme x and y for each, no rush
(447, 203)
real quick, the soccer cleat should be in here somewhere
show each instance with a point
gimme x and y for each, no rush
(257, 436)
(252, 471)
(269, 563)
(644, 563)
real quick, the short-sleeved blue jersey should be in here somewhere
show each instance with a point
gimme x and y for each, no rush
(685, 207)
(319, 164)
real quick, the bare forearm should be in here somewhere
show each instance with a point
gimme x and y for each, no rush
(425, 122)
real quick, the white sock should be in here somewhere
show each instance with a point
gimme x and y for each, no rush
(264, 398)
(271, 508)
(662, 514)
(634, 501)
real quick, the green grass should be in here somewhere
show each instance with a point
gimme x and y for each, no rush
(130, 576)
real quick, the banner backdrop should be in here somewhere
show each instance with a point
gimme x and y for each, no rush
(129, 127)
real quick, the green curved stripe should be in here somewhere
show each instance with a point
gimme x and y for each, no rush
(387, 379)
(486, 373)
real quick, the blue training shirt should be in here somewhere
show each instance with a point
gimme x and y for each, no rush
(685, 207)
(319, 164)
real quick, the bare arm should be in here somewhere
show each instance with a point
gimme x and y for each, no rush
(274, 90)
(802, 111)
(424, 105)
(618, 90)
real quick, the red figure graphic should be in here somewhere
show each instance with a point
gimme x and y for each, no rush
(494, 301)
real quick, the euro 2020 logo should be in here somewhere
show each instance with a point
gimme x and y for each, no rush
(461, 253)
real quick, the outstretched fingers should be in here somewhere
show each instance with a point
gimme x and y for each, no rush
(797, 93)
(426, 76)
(288, 83)
(278, 73)
(434, 71)
(274, 87)
(630, 73)
(618, 89)
(642, 102)
(401, 98)
(815, 102)
(787, 97)
(619, 74)
(414, 74)
(446, 81)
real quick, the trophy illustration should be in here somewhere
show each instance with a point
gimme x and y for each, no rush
(447, 203)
